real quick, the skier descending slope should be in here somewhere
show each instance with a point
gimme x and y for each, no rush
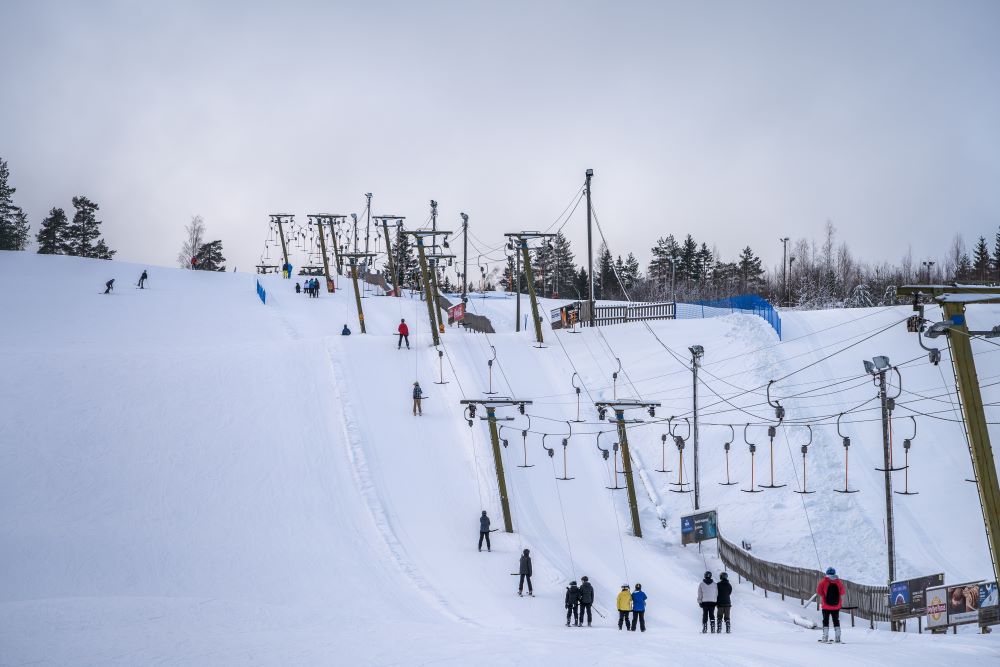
(108, 286)
(586, 600)
(708, 595)
(831, 594)
(142, 280)
(724, 590)
(524, 570)
(484, 531)
(572, 604)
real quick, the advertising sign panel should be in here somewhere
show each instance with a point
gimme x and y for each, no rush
(699, 527)
(456, 313)
(989, 609)
(937, 607)
(907, 598)
(963, 603)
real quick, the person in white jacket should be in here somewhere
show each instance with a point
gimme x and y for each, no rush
(708, 595)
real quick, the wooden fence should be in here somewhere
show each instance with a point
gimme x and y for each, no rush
(868, 602)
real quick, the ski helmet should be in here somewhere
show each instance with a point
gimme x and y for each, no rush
(708, 575)
(638, 587)
(584, 578)
(830, 571)
(724, 576)
(572, 583)
(624, 587)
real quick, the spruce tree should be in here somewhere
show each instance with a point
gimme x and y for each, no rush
(406, 263)
(13, 222)
(580, 285)
(996, 256)
(607, 284)
(661, 267)
(750, 268)
(52, 234)
(209, 257)
(981, 261)
(84, 233)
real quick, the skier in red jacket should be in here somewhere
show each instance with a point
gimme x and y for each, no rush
(831, 594)
(404, 334)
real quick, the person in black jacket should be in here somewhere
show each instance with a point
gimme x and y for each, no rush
(142, 280)
(525, 571)
(725, 600)
(586, 600)
(108, 286)
(484, 531)
(572, 604)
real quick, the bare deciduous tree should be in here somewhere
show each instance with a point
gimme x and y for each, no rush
(195, 239)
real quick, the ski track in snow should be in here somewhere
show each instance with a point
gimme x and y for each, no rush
(354, 442)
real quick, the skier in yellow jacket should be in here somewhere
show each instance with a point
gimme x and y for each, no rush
(624, 607)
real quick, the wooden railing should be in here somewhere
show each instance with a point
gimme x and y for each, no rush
(868, 602)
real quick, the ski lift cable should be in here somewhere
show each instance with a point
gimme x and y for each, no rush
(562, 513)
(805, 510)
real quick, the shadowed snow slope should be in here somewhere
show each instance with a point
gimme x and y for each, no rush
(192, 477)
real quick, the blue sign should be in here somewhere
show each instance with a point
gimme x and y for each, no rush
(699, 527)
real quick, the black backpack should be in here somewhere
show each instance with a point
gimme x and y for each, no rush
(832, 596)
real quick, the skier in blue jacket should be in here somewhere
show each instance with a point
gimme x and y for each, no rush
(638, 608)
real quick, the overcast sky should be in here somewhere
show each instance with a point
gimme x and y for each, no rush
(739, 122)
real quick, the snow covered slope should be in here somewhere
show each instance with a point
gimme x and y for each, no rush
(189, 476)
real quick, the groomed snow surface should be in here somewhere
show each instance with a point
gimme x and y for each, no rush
(188, 476)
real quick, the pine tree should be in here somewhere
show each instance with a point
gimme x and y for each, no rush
(52, 234)
(84, 233)
(406, 263)
(661, 267)
(563, 268)
(580, 285)
(963, 270)
(981, 261)
(630, 274)
(13, 222)
(750, 268)
(607, 284)
(209, 257)
(688, 266)
(996, 256)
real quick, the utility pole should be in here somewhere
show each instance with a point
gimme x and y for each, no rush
(354, 217)
(425, 276)
(697, 352)
(465, 258)
(517, 282)
(352, 258)
(434, 224)
(878, 367)
(953, 301)
(281, 219)
(784, 265)
(491, 406)
(619, 408)
(368, 223)
(393, 273)
(590, 253)
(522, 238)
(317, 220)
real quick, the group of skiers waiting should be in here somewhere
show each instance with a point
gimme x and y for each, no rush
(311, 288)
(634, 602)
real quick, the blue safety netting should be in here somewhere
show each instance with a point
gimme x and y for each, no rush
(750, 304)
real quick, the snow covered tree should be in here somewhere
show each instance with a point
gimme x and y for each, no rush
(13, 222)
(52, 234)
(84, 233)
(981, 261)
(209, 257)
(665, 253)
(195, 239)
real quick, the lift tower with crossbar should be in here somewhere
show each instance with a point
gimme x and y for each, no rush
(491, 405)
(395, 221)
(619, 408)
(352, 259)
(953, 300)
(426, 277)
(519, 240)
